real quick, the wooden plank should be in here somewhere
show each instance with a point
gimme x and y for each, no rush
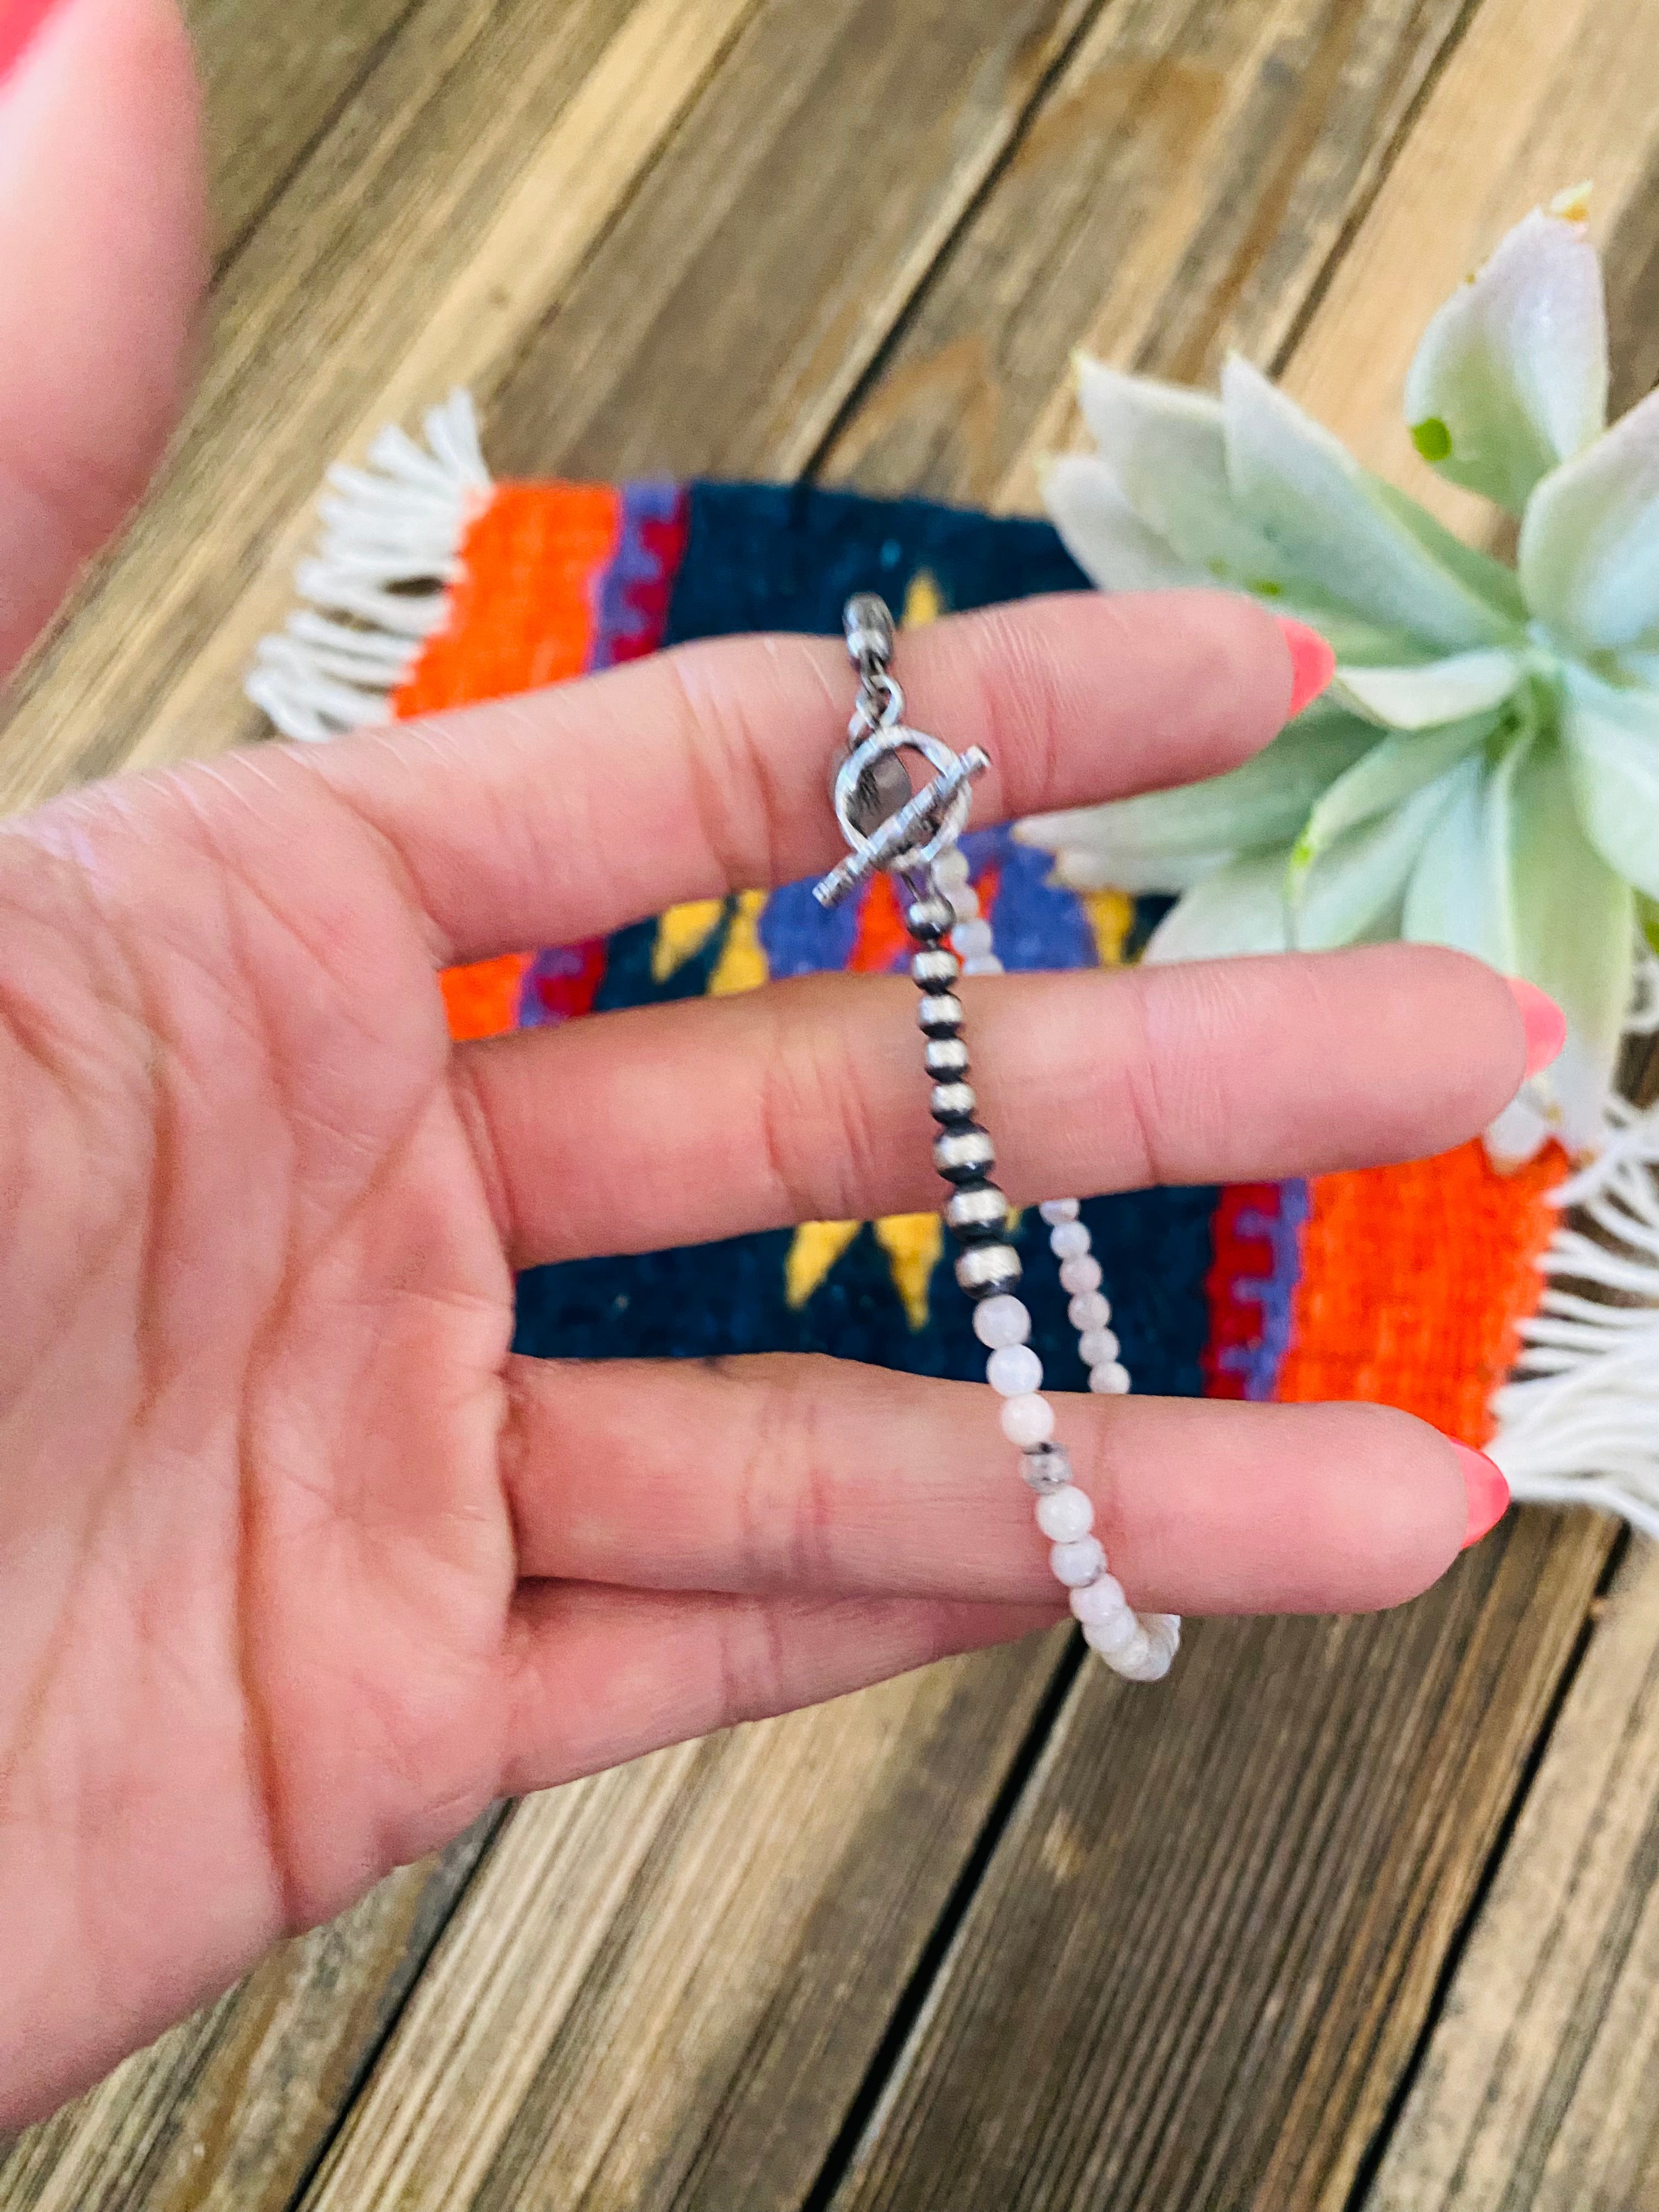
(1257, 2065)
(1539, 98)
(745, 1908)
(1207, 1898)
(830, 163)
(227, 2113)
(272, 81)
(433, 228)
(1181, 193)
(1541, 2085)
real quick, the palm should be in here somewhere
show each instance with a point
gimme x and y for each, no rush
(263, 1636)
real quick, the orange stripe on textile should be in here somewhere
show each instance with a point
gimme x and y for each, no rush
(1413, 1281)
(520, 616)
(482, 1000)
(881, 937)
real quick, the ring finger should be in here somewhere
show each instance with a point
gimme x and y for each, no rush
(819, 1478)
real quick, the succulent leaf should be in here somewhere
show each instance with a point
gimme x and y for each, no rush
(1389, 775)
(1484, 772)
(1613, 760)
(1241, 909)
(1434, 691)
(1454, 895)
(1589, 540)
(1574, 932)
(1328, 520)
(1511, 378)
(1163, 445)
(1354, 889)
(1105, 535)
(1131, 843)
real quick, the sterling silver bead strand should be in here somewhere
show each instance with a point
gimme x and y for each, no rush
(913, 835)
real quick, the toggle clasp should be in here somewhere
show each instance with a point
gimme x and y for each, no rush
(938, 811)
(886, 823)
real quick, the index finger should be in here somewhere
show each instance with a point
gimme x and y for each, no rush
(566, 813)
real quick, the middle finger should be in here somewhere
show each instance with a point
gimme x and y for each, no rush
(806, 1101)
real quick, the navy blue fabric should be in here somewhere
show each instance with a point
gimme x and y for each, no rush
(785, 558)
(788, 556)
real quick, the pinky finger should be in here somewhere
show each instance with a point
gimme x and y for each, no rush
(601, 1675)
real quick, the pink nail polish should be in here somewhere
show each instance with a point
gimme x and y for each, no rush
(1313, 664)
(1544, 1023)
(1489, 1492)
(19, 21)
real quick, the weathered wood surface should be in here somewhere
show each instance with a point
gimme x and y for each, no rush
(1193, 2104)
(456, 193)
(272, 81)
(229, 2110)
(1541, 2085)
(863, 1956)
(666, 2004)
(1196, 1965)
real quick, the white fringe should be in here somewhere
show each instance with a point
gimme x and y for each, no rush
(1579, 1423)
(380, 583)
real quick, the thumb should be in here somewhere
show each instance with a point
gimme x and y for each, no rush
(102, 268)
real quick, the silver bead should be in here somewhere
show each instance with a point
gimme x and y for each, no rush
(1046, 1466)
(985, 1269)
(935, 968)
(947, 1057)
(930, 919)
(953, 1102)
(940, 1013)
(964, 1152)
(867, 623)
(983, 1207)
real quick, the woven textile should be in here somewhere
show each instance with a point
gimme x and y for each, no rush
(1403, 1285)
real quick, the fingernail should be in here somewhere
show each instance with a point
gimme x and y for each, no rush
(1545, 1024)
(1312, 662)
(1489, 1493)
(19, 21)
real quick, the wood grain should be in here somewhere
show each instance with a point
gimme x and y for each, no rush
(742, 235)
(226, 2113)
(1172, 1985)
(661, 1986)
(1539, 97)
(1541, 2085)
(457, 191)
(306, 251)
(767, 259)
(649, 2138)
(272, 81)
(1182, 192)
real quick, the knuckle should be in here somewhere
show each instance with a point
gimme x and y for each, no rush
(785, 1507)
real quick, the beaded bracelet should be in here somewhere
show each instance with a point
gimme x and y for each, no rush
(913, 834)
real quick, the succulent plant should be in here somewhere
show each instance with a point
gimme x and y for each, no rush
(1484, 771)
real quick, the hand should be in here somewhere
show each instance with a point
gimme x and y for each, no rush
(299, 1568)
